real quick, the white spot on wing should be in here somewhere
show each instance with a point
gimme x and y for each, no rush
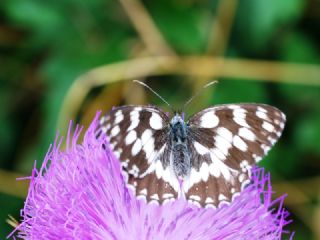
(281, 125)
(166, 174)
(154, 163)
(119, 117)
(204, 171)
(247, 134)
(241, 177)
(225, 133)
(239, 113)
(118, 152)
(265, 148)
(272, 140)
(150, 151)
(222, 197)
(217, 167)
(125, 163)
(104, 129)
(195, 176)
(156, 121)
(256, 157)
(134, 117)
(134, 171)
(209, 200)
(241, 121)
(261, 109)
(245, 167)
(233, 106)
(200, 148)
(239, 143)
(102, 120)
(144, 191)
(146, 136)
(218, 154)
(115, 130)
(223, 141)
(155, 197)
(131, 137)
(214, 170)
(262, 115)
(209, 120)
(195, 197)
(136, 147)
(167, 195)
(267, 126)
(148, 145)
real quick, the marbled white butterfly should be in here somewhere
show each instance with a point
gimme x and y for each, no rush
(207, 158)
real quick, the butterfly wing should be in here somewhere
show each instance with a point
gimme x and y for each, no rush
(225, 142)
(138, 136)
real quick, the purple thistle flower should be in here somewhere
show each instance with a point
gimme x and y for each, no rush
(79, 193)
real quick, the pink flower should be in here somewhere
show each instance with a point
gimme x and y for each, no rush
(79, 193)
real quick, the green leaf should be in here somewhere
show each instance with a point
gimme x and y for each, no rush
(228, 91)
(9, 206)
(296, 47)
(281, 160)
(37, 15)
(258, 20)
(306, 135)
(300, 95)
(182, 25)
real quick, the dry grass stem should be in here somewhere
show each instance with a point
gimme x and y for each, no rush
(12, 221)
(299, 199)
(221, 27)
(209, 67)
(9, 185)
(219, 34)
(146, 28)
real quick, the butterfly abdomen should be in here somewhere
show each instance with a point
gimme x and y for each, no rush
(181, 162)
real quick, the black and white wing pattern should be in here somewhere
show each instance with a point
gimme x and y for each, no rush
(138, 136)
(225, 141)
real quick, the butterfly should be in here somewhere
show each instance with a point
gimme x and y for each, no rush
(206, 158)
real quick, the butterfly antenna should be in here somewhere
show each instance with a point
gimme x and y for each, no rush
(145, 85)
(198, 93)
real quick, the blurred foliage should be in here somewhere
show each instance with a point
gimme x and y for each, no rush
(46, 45)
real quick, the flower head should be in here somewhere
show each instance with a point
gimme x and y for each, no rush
(80, 193)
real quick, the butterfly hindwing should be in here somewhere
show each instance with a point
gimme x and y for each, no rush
(138, 137)
(225, 142)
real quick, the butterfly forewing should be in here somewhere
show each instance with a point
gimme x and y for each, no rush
(138, 137)
(225, 142)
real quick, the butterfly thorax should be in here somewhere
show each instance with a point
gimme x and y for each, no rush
(180, 154)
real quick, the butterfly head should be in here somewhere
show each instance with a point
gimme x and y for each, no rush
(178, 118)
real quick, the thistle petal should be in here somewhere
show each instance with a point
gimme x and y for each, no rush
(80, 193)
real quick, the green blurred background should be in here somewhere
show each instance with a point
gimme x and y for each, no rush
(260, 51)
